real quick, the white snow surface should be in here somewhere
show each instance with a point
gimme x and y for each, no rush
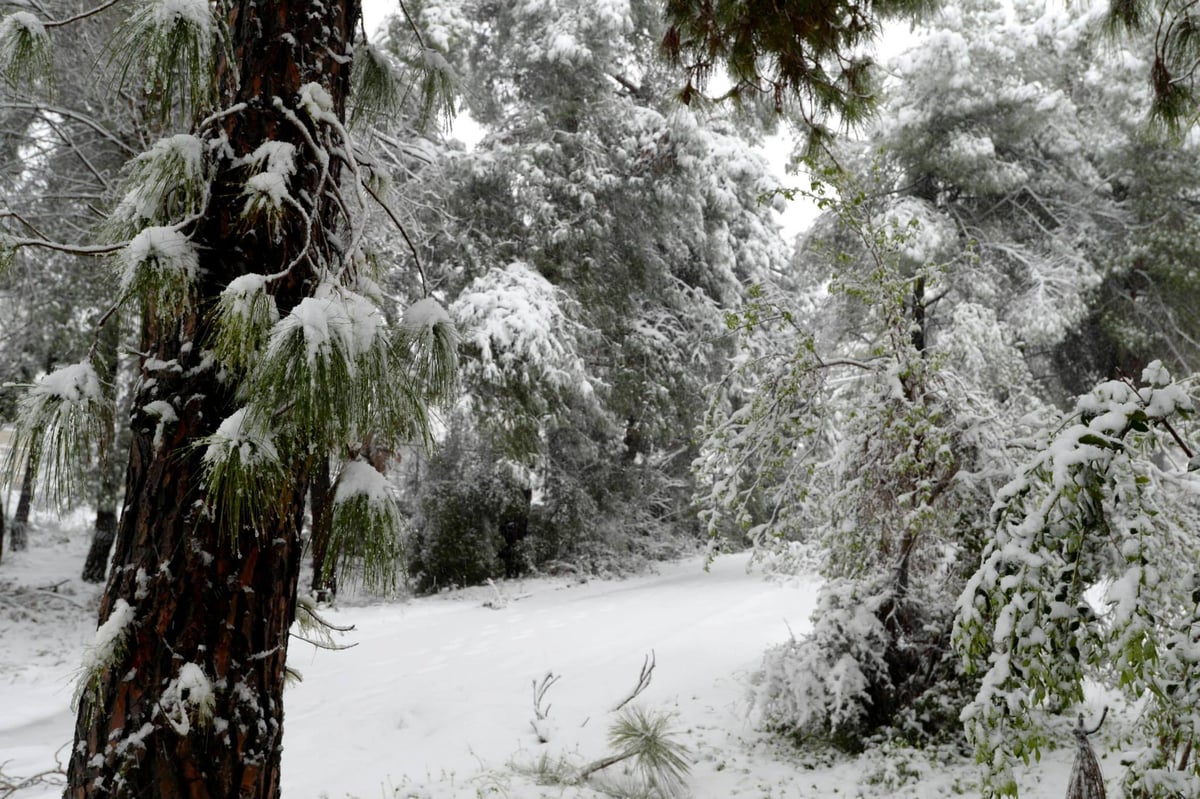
(435, 699)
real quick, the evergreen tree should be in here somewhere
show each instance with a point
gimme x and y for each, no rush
(874, 414)
(263, 352)
(594, 235)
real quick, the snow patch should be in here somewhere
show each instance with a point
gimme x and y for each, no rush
(110, 638)
(360, 479)
(241, 434)
(76, 384)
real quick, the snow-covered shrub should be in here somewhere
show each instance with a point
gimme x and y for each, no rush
(874, 666)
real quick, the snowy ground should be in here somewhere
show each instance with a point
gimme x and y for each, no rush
(434, 699)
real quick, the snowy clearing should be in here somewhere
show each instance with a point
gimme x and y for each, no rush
(435, 698)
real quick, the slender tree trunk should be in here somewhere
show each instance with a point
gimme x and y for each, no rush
(188, 703)
(324, 579)
(1, 529)
(19, 535)
(104, 533)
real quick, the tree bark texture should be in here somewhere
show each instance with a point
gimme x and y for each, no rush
(324, 578)
(18, 538)
(189, 702)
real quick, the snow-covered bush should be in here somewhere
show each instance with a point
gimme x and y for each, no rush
(874, 666)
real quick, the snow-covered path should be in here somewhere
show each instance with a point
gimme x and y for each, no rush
(434, 701)
(437, 690)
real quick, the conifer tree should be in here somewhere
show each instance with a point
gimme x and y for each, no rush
(263, 352)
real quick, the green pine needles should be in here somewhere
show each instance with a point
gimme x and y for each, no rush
(325, 368)
(61, 423)
(244, 473)
(245, 314)
(165, 184)
(366, 525)
(661, 763)
(161, 266)
(25, 52)
(177, 39)
(266, 192)
(379, 85)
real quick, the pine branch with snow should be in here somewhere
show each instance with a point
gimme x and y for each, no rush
(367, 528)
(178, 40)
(26, 55)
(61, 423)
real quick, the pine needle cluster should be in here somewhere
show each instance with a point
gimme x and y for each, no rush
(165, 184)
(25, 51)
(366, 523)
(161, 266)
(244, 315)
(177, 39)
(244, 472)
(61, 424)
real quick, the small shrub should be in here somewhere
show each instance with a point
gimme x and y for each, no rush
(874, 666)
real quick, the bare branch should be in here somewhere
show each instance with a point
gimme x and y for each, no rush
(643, 682)
(58, 23)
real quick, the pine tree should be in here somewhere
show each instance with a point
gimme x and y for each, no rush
(263, 352)
(595, 235)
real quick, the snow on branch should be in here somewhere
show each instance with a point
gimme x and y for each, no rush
(60, 427)
(517, 321)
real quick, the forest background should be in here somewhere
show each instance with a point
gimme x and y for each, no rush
(583, 345)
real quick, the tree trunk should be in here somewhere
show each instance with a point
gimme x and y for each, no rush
(19, 535)
(324, 579)
(104, 533)
(1, 529)
(188, 702)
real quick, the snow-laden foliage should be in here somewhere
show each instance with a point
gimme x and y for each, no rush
(366, 526)
(108, 646)
(267, 192)
(244, 473)
(26, 55)
(60, 426)
(986, 116)
(588, 246)
(324, 361)
(245, 315)
(160, 266)
(820, 685)
(163, 185)
(864, 423)
(1105, 511)
(177, 40)
(523, 340)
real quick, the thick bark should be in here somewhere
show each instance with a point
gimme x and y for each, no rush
(198, 600)
(104, 533)
(19, 534)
